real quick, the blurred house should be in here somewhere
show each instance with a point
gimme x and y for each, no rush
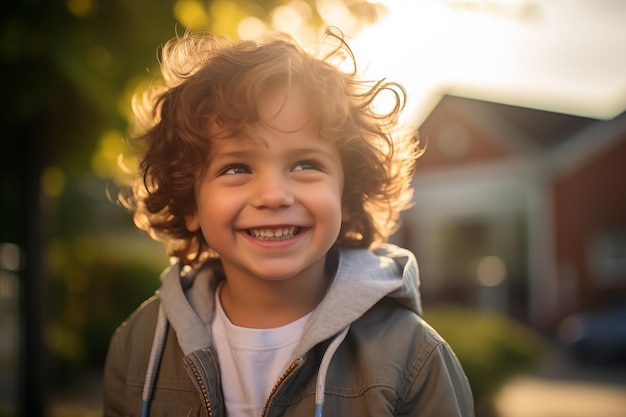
(520, 210)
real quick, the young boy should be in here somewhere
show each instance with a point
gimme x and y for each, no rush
(273, 183)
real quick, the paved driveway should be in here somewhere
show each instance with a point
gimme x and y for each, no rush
(564, 388)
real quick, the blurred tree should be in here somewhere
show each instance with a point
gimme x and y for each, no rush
(68, 68)
(64, 66)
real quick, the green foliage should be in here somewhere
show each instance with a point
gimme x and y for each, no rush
(490, 346)
(99, 268)
(85, 315)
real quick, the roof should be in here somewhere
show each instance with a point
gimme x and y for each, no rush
(543, 129)
(462, 130)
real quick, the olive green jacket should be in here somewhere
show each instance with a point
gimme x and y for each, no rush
(386, 360)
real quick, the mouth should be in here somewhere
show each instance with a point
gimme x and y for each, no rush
(273, 234)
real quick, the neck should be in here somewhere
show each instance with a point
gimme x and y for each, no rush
(259, 303)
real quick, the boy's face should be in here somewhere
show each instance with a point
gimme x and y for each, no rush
(270, 204)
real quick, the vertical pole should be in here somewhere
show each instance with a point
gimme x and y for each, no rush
(31, 398)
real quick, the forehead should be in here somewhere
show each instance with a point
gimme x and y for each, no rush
(285, 108)
(285, 127)
(281, 108)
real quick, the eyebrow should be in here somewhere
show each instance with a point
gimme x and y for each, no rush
(311, 151)
(232, 154)
(241, 153)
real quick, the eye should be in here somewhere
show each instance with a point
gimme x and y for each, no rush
(304, 165)
(234, 169)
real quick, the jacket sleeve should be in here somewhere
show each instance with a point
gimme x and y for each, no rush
(438, 387)
(114, 380)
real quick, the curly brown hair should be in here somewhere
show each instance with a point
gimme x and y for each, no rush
(206, 77)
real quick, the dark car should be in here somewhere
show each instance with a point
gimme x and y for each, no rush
(596, 338)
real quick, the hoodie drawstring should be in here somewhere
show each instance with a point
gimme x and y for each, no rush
(158, 342)
(323, 370)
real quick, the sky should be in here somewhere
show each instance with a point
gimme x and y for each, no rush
(567, 56)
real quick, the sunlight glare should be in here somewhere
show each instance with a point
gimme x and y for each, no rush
(302, 7)
(286, 19)
(251, 28)
(335, 13)
(425, 46)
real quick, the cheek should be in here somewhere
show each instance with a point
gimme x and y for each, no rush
(329, 206)
(218, 211)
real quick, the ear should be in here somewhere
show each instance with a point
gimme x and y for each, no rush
(191, 222)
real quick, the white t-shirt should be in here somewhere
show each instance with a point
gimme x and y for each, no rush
(251, 360)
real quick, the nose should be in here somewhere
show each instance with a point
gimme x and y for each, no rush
(272, 191)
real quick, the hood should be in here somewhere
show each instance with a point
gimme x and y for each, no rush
(362, 279)
(187, 299)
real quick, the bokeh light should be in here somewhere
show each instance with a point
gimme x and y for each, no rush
(491, 271)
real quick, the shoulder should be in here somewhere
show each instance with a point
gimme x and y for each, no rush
(134, 336)
(131, 343)
(399, 330)
(392, 359)
(144, 317)
(124, 367)
(399, 338)
(417, 361)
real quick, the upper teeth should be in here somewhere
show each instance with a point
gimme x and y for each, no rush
(273, 234)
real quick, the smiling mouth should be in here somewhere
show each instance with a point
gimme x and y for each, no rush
(280, 233)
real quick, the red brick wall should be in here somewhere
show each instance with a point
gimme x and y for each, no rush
(589, 200)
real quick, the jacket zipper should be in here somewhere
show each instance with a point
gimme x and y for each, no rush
(205, 392)
(284, 376)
